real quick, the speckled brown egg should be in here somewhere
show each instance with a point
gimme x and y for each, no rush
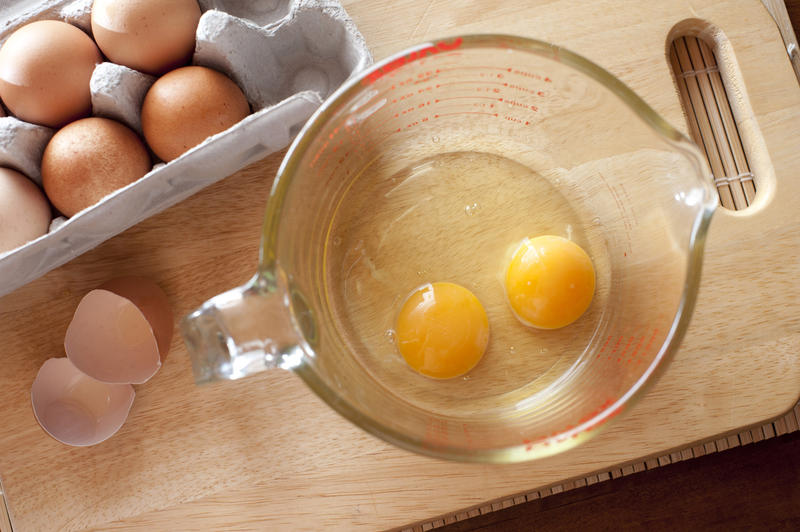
(151, 36)
(89, 159)
(45, 68)
(188, 105)
(24, 211)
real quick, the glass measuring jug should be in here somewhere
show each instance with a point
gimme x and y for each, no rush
(431, 166)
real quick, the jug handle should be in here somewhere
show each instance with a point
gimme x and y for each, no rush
(244, 331)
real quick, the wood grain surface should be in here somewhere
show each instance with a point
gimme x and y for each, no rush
(265, 452)
(785, 12)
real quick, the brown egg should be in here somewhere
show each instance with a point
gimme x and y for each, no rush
(151, 36)
(45, 68)
(188, 105)
(89, 159)
(24, 211)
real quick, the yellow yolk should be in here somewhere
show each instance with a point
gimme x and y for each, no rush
(442, 330)
(549, 282)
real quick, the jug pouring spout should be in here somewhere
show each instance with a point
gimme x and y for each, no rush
(244, 331)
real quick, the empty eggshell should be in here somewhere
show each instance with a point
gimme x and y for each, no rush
(153, 303)
(76, 409)
(110, 339)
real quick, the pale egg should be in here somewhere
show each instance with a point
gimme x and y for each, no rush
(24, 211)
(45, 68)
(76, 409)
(549, 282)
(442, 330)
(121, 333)
(188, 105)
(152, 36)
(89, 159)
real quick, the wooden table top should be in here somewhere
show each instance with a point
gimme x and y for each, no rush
(240, 456)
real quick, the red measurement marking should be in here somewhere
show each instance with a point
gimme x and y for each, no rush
(471, 68)
(516, 120)
(318, 155)
(465, 113)
(442, 46)
(561, 436)
(636, 349)
(467, 435)
(605, 345)
(527, 74)
(479, 81)
(437, 100)
(597, 411)
(436, 432)
(616, 346)
(650, 343)
(630, 341)
(514, 103)
(523, 89)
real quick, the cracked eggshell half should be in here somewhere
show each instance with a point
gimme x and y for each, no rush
(111, 339)
(76, 409)
(153, 303)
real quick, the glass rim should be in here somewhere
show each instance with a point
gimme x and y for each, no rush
(569, 438)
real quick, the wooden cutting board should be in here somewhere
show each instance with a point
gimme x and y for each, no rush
(266, 453)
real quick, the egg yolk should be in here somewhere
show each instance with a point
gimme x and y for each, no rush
(442, 330)
(549, 282)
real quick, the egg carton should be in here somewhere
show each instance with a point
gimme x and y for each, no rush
(287, 56)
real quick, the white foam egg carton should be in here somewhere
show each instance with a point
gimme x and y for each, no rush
(286, 55)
